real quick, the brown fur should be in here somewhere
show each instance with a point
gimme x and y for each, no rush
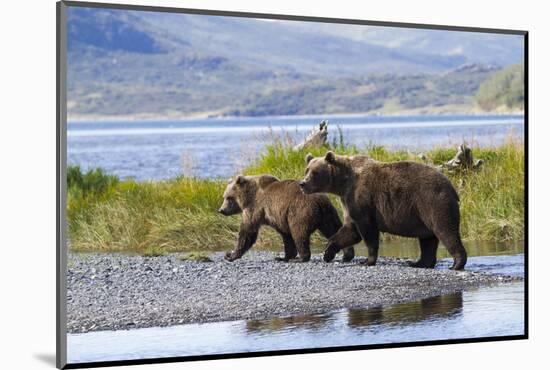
(264, 200)
(403, 198)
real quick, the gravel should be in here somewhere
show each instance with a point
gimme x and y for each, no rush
(119, 291)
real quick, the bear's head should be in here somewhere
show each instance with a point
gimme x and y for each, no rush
(322, 174)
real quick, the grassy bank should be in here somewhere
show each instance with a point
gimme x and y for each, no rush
(105, 213)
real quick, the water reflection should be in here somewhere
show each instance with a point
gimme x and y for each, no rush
(407, 313)
(434, 308)
(276, 324)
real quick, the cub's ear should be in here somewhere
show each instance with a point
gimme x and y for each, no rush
(309, 157)
(240, 180)
(330, 157)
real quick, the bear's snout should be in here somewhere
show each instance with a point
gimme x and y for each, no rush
(304, 187)
(222, 211)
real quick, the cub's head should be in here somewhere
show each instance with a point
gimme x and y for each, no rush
(233, 196)
(241, 192)
(319, 174)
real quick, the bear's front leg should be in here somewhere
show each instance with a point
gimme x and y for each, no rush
(345, 237)
(247, 238)
(372, 242)
(371, 235)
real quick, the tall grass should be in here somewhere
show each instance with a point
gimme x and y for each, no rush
(181, 214)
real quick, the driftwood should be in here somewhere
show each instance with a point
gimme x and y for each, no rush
(316, 138)
(463, 160)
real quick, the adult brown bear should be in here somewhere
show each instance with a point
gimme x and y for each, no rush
(265, 200)
(403, 198)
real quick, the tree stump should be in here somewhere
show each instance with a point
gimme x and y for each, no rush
(463, 160)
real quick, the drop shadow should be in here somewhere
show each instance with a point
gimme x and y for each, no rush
(47, 358)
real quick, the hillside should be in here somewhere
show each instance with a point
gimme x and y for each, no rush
(131, 63)
(386, 93)
(503, 90)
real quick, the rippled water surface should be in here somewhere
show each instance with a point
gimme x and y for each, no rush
(221, 147)
(489, 311)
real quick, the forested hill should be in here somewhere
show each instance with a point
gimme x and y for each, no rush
(503, 90)
(161, 64)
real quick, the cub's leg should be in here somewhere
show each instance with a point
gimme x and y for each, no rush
(428, 252)
(247, 237)
(302, 245)
(345, 237)
(349, 254)
(301, 240)
(290, 249)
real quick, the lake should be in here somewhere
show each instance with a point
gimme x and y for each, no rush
(489, 311)
(210, 148)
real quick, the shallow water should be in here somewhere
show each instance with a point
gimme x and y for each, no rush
(409, 248)
(221, 147)
(488, 311)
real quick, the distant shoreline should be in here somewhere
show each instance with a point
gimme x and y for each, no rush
(151, 117)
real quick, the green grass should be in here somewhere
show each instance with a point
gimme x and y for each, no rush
(154, 218)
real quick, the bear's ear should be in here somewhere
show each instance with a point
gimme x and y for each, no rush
(240, 180)
(330, 157)
(309, 157)
(265, 180)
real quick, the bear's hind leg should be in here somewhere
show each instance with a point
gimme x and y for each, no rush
(302, 244)
(290, 249)
(428, 252)
(447, 230)
(454, 245)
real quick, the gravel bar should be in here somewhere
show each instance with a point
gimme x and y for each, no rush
(120, 291)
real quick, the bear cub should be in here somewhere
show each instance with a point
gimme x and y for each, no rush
(402, 198)
(265, 200)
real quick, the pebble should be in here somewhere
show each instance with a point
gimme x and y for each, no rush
(133, 291)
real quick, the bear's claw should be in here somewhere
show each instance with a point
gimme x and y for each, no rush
(229, 257)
